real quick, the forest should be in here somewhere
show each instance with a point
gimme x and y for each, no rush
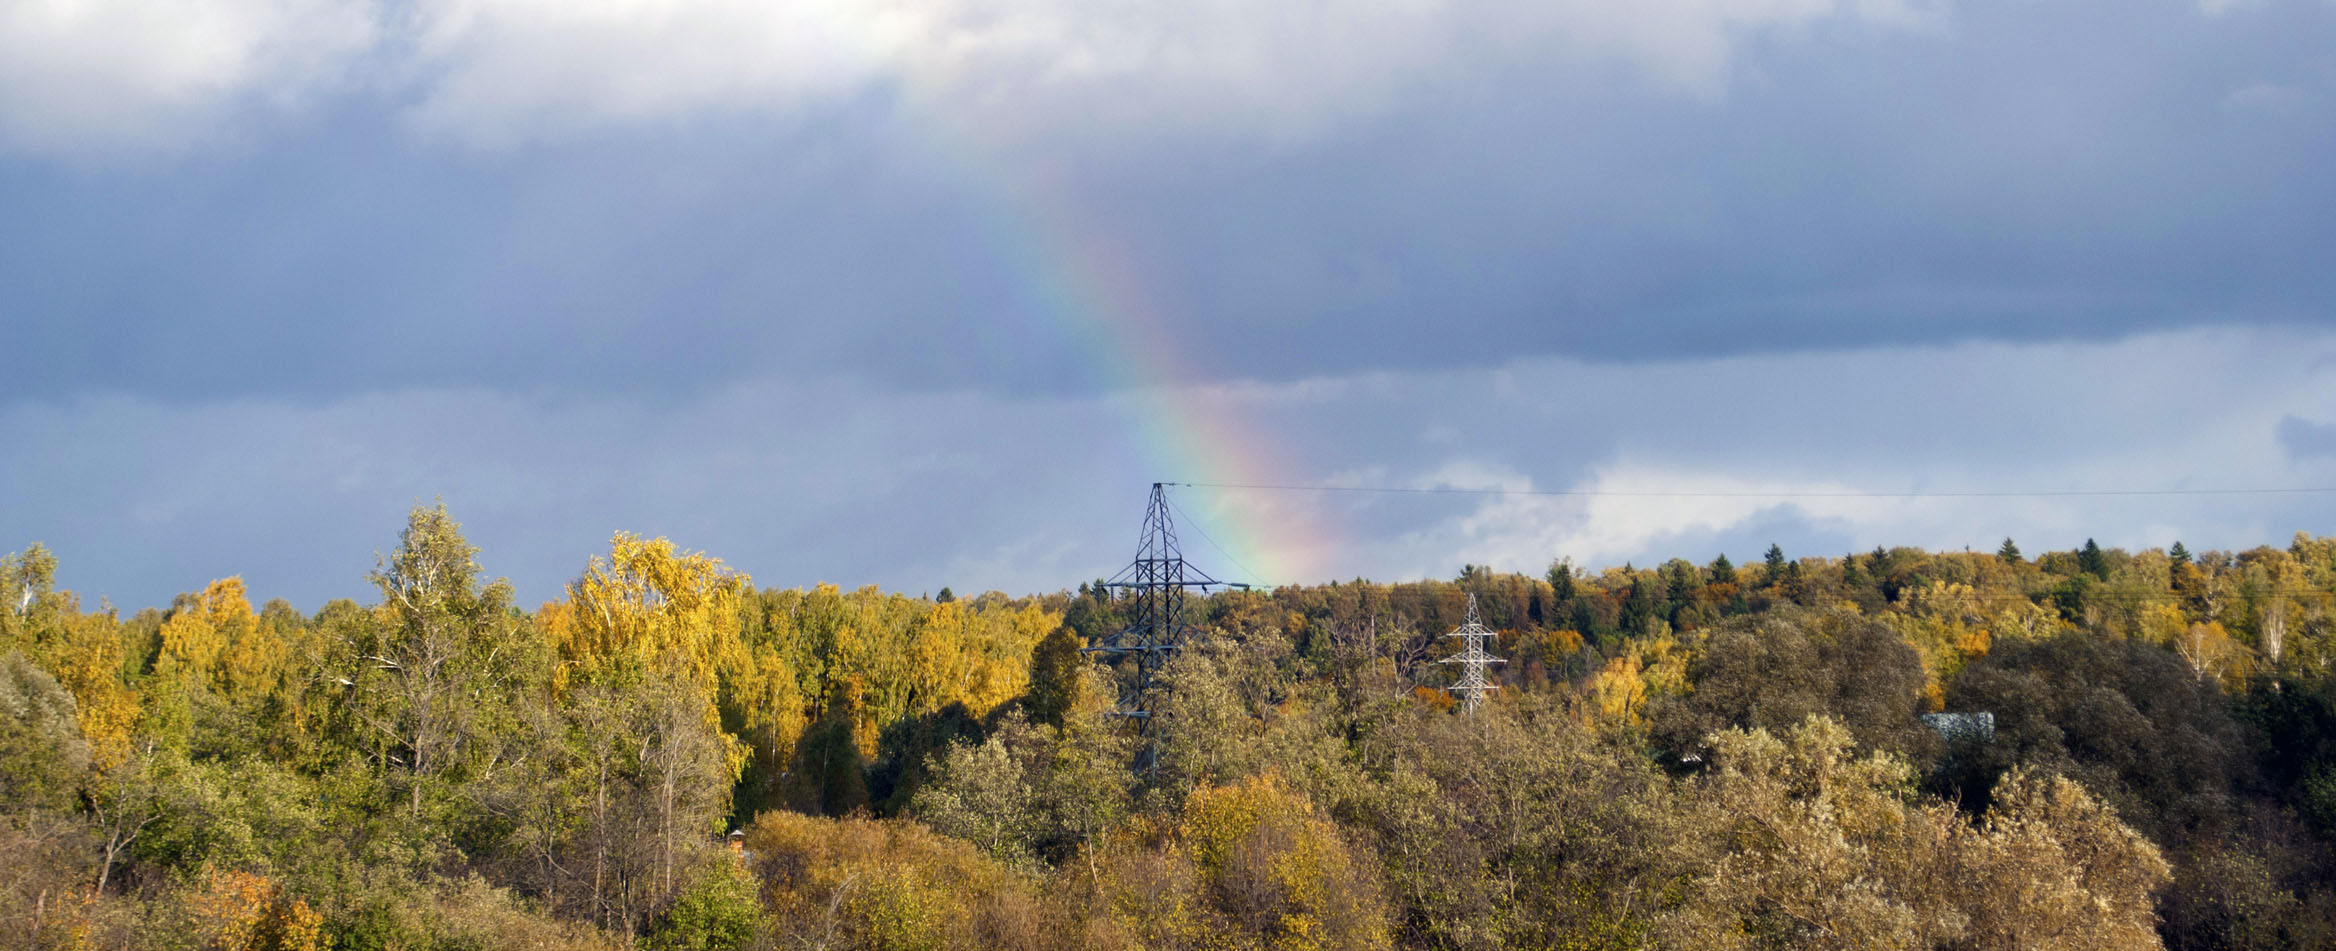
(1692, 755)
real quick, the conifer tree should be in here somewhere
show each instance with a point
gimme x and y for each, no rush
(1679, 584)
(1642, 605)
(1774, 566)
(2091, 561)
(2180, 554)
(1561, 581)
(2009, 552)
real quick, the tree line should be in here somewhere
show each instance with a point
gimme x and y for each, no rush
(1689, 755)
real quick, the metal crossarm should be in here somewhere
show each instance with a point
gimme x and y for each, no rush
(1156, 584)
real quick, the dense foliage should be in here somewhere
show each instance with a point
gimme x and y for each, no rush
(1689, 756)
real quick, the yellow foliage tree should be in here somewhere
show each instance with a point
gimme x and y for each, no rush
(253, 662)
(2212, 652)
(650, 610)
(650, 607)
(196, 637)
(1274, 875)
(88, 661)
(241, 911)
(863, 884)
(1946, 626)
(1619, 689)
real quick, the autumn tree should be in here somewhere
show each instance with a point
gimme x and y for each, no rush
(1778, 669)
(643, 640)
(199, 631)
(1251, 865)
(1825, 849)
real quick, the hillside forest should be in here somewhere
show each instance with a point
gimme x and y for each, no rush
(1694, 755)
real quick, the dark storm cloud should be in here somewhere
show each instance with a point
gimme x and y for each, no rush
(1712, 248)
(2030, 171)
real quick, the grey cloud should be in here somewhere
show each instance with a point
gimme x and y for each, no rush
(2304, 439)
(803, 481)
(1979, 184)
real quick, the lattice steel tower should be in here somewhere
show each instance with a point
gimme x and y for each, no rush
(1473, 659)
(1156, 583)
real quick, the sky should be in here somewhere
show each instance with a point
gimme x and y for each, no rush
(926, 293)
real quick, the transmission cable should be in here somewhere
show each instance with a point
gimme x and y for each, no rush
(1204, 535)
(1605, 493)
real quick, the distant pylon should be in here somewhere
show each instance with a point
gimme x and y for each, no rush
(1156, 583)
(1473, 659)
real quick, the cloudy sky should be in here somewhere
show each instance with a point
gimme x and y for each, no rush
(926, 292)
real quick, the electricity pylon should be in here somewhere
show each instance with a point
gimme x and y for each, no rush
(1156, 584)
(1473, 659)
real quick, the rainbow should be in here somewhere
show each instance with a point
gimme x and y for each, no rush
(1090, 287)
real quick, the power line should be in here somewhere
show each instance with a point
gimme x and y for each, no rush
(1604, 493)
(1204, 535)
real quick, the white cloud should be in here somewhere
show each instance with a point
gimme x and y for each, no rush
(107, 73)
(500, 68)
(103, 75)
(1897, 446)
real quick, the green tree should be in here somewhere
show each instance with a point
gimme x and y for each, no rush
(1561, 581)
(1055, 667)
(833, 770)
(127, 799)
(28, 596)
(1643, 605)
(2009, 552)
(42, 754)
(2092, 561)
(426, 675)
(1722, 571)
(1776, 669)
(719, 911)
(983, 795)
